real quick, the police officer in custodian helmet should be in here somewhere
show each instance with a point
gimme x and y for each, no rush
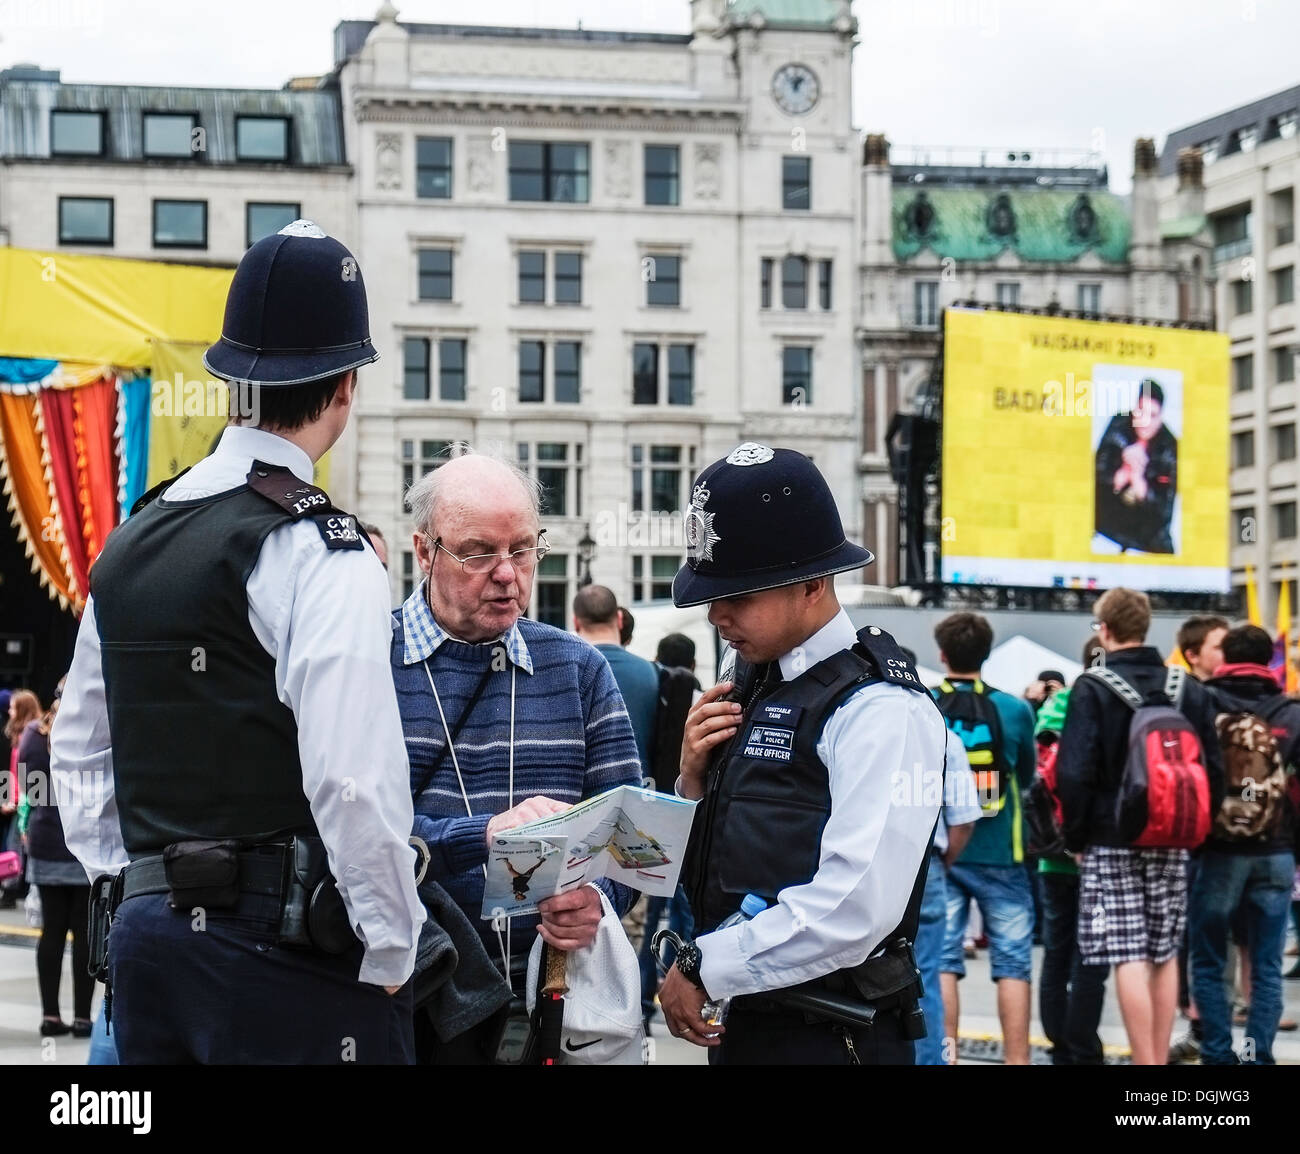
(230, 728)
(814, 762)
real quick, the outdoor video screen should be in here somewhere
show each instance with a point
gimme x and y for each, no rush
(1083, 454)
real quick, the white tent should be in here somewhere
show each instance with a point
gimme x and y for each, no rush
(1014, 664)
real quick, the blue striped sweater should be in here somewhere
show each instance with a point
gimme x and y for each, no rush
(573, 739)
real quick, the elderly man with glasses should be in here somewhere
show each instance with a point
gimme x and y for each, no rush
(506, 720)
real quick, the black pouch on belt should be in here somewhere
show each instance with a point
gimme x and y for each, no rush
(202, 873)
(314, 914)
(100, 913)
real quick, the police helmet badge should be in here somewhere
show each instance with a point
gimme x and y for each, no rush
(700, 537)
(750, 453)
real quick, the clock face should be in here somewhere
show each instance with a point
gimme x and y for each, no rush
(795, 89)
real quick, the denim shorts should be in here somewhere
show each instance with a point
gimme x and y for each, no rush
(1007, 905)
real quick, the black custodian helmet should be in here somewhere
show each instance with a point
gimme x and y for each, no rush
(296, 312)
(761, 518)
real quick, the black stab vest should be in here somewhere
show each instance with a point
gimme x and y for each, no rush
(767, 796)
(202, 746)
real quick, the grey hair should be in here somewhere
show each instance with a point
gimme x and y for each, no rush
(422, 497)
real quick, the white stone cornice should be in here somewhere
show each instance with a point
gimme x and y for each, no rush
(494, 109)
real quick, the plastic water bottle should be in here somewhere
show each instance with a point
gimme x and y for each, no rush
(715, 1013)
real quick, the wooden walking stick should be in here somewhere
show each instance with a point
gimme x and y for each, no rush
(550, 1020)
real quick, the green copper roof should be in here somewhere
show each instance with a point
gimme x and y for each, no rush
(1037, 224)
(1183, 227)
(786, 11)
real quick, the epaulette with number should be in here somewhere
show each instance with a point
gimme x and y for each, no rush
(891, 664)
(339, 530)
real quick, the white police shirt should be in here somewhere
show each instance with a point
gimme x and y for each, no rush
(324, 618)
(882, 748)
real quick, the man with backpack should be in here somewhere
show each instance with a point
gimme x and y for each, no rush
(1129, 723)
(1248, 861)
(997, 731)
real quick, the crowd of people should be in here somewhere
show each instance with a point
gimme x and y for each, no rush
(1055, 857)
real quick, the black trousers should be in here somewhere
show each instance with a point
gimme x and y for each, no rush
(1070, 994)
(63, 908)
(218, 989)
(784, 1038)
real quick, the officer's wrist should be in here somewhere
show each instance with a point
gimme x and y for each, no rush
(689, 787)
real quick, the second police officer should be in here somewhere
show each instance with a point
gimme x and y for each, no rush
(229, 723)
(817, 762)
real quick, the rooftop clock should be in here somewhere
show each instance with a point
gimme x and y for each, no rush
(795, 89)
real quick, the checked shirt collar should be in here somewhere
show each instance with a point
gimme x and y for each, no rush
(423, 634)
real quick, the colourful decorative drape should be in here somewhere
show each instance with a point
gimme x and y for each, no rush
(80, 427)
(29, 494)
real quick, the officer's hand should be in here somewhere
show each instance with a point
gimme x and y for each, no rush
(529, 810)
(391, 990)
(569, 920)
(710, 722)
(681, 1001)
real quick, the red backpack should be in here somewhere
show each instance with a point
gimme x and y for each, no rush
(1164, 793)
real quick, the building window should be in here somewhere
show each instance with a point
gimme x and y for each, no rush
(1283, 212)
(681, 374)
(532, 371)
(663, 287)
(558, 469)
(552, 583)
(264, 219)
(1247, 530)
(1243, 297)
(568, 372)
(435, 266)
(77, 133)
(550, 172)
(407, 576)
(433, 167)
(652, 576)
(645, 374)
(263, 138)
(765, 283)
(1284, 285)
(418, 372)
(532, 277)
(662, 174)
(1283, 442)
(170, 134)
(796, 376)
(180, 223)
(421, 457)
(1284, 521)
(660, 477)
(824, 284)
(794, 283)
(1232, 233)
(646, 385)
(796, 183)
(451, 369)
(1243, 373)
(926, 298)
(568, 278)
(1243, 449)
(1089, 299)
(1008, 294)
(85, 220)
(1284, 365)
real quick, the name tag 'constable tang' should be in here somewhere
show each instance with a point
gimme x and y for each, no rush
(818, 763)
(229, 725)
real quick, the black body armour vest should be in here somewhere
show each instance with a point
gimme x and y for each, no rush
(202, 745)
(767, 797)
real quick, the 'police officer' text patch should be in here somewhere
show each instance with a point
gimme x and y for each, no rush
(770, 742)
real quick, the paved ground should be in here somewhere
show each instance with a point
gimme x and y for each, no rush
(20, 1013)
(981, 1036)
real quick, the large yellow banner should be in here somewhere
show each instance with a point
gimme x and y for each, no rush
(1084, 454)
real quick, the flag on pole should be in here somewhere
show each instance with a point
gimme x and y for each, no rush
(1252, 597)
(1281, 664)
